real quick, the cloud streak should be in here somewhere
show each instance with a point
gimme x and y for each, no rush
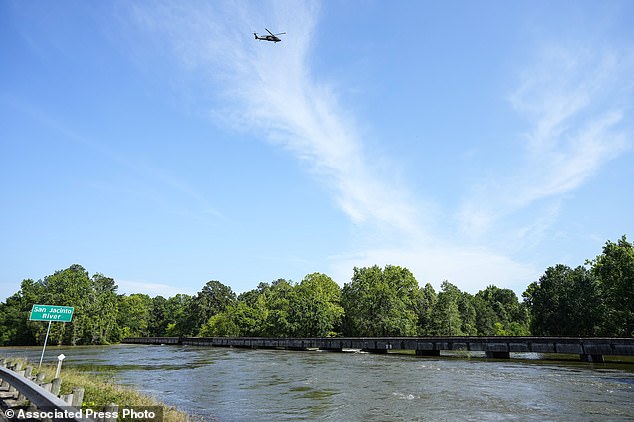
(573, 128)
(269, 89)
(152, 289)
(573, 102)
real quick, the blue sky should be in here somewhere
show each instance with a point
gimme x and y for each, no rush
(160, 144)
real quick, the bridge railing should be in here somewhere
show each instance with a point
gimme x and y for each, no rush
(588, 348)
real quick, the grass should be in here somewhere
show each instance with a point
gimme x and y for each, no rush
(101, 390)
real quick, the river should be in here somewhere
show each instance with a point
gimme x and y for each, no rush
(243, 385)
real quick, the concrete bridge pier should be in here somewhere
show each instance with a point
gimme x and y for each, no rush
(332, 345)
(497, 355)
(427, 352)
(378, 346)
(591, 358)
(243, 346)
(376, 351)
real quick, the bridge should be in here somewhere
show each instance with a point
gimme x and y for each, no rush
(589, 349)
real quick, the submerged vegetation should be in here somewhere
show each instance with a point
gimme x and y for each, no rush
(595, 299)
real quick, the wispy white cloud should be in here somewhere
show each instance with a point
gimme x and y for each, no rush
(567, 98)
(472, 268)
(574, 100)
(151, 289)
(269, 88)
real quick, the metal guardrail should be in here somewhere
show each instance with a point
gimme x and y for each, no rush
(38, 396)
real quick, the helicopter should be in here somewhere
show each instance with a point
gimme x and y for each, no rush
(273, 37)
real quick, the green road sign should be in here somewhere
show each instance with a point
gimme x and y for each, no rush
(51, 313)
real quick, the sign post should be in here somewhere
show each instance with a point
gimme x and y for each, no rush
(50, 313)
(44, 348)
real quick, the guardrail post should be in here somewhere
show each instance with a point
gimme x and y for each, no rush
(68, 398)
(56, 385)
(78, 397)
(39, 379)
(12, 389)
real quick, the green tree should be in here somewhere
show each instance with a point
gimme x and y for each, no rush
(251, 297)
(564, 302)
(547, 300)
(70, 287)
(380, 302)
(176, 316)
(426, 300)
(315, 306)
(278, 320)
(485, 316)
(211, 300)
(93, 298)
(15, 329)
(446, 318)
(237, 320)
(251, 319)
(253, 316)
(499, 311)
(158, 322)
(467, 314)
(135, 314)
(614, 269)
(101, 311)
(222, 324)
(585, 304)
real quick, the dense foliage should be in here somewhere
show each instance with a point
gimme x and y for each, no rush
(592, 300)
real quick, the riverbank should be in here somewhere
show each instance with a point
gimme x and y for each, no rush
(101, 390)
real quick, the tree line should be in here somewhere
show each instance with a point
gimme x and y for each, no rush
(594, 299)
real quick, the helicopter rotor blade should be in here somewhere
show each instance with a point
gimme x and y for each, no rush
(269, 32)
(281, 33)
